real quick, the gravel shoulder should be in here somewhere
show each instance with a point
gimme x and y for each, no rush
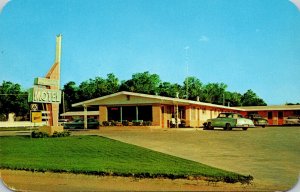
(54, 182)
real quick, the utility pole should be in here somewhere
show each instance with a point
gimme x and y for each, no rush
(187, 71)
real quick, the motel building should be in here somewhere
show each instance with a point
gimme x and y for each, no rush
(276, 115)
(159, 110)
(166, 112)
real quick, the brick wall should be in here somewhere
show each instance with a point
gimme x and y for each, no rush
(102, 113)
(156, 113)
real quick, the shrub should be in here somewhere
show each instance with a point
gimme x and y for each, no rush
(39, 134)
(105, 123)
(147, 123)
(61, 134)
(136, 123)
(125, 123)
(3, 117)
(113, 123)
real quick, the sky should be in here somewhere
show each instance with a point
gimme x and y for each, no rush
(246, 44)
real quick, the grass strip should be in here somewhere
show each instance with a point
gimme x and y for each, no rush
(103, 156)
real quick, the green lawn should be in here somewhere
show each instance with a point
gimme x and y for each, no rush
(102, 156)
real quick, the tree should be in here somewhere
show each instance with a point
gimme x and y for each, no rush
(292, 104)
(233, 99)
(192, 87)
(13, 99)
(112, 84)
(170, 90)
(142, 83)
(251, 99)
(71, 96)
(214, 93)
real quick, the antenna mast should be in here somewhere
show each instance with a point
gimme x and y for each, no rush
(187, 71)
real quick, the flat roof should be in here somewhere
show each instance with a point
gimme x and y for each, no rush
(271, 108)
(79, 113)
(155, 99)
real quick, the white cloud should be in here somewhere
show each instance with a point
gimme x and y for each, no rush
(2, 4)
(204, 38)
(296, 3)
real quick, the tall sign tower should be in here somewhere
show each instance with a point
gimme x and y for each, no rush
(54, 74)
(46, 90)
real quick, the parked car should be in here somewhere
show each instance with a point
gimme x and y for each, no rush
(228, 121)
(79, 124)
(292, 120)
(61, 122)
(258, 120)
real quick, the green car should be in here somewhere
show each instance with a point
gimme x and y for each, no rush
(228, 121)
(79, 124)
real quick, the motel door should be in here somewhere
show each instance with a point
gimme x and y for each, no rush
(270, 118)
(163, 117)
(280, 117)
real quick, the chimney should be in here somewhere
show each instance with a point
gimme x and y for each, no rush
(177, 94)
(198, 98)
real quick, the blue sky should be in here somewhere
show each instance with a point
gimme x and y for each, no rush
(246, 44)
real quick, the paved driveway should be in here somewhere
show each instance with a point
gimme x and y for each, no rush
(270, 155)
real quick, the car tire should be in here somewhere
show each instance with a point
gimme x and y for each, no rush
(245, 128)
(228, 127)
(209, 127)
(263, 126)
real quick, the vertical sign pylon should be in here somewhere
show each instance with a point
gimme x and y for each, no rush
(54, 73)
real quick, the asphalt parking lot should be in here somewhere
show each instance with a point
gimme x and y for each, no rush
(271, 155)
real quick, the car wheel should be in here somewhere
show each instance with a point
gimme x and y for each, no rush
(263, 126)
(209, 127)
(228, 127)
(204, 126)
(245, 128)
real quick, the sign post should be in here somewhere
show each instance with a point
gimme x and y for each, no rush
(47, 91)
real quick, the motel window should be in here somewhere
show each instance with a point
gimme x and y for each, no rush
(114, 113)
(181, 111)
(145, 113)
(280, 115)
(270, 115)
(297, 113)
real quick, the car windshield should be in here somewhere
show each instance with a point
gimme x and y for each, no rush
(223, 115)
(230, 115)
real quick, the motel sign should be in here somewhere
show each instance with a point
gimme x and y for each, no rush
(42, 95)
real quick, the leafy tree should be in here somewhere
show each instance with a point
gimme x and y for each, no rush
(233, 99)
(292, 104)
(71, 96)
(214, 93)
(98, 87)
(112, 84)
(151, 84)
(251, 99)
(86, 90)
(170, 90)
(142, 83)
(13, 99)
(192, 87)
